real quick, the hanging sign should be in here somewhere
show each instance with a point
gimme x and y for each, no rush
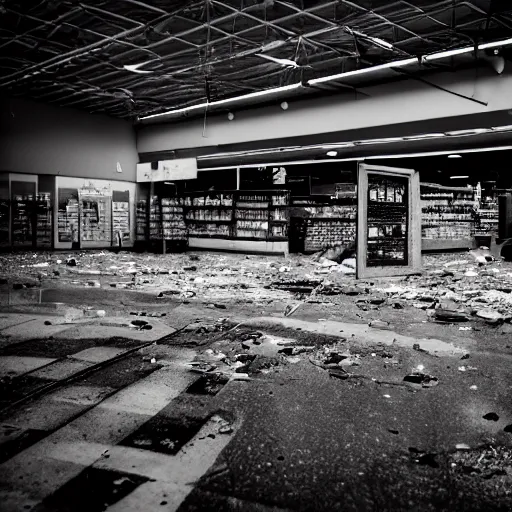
(168, 170)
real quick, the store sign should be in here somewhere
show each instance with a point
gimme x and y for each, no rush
(168, 170)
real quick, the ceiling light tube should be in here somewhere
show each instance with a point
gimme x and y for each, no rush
(458, 177)
(408, 62)
(387, 65)
(257, 94)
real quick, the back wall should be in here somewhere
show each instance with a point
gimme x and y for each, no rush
(37, 138)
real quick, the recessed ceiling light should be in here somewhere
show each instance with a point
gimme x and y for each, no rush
(332, 153)
(454, 156)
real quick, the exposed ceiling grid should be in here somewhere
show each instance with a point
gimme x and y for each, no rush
(131, 58)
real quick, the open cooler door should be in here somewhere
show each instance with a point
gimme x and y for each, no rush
(388, 221)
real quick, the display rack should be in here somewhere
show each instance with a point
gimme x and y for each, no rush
(68, 221)
(173, 220)
(141, 221)
(95, 219)
(319, 222)
(488, 213)
(209, 214)
(155, 219)
(448, 217)
(22, 232)
(121, 221)
(43, 220)
(4, 222)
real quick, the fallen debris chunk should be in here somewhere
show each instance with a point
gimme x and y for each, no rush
(490, 316)
(426, 381)
(380, 324)
(448, 315)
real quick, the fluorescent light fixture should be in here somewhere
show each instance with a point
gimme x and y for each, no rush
(332, 153)
(454, 156)
(425, 136)
(473, 131)
(380, 67)
(459, 177)
(505, 128)
(408, 62)
(249, 96)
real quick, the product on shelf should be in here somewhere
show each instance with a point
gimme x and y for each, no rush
(448, 213)
(173, 220)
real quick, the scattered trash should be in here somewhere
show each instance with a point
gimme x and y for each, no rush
(473, 387)
(462, 446)
(153, 360)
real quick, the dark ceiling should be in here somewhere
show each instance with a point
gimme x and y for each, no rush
(186, 52)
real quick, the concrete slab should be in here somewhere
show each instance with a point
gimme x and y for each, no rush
(97, 354)
(82, 395)
(44, 414)
(36, 328)
(62, 369)
(44, 467)
(174, 475)
(116, 327)
(17, 365)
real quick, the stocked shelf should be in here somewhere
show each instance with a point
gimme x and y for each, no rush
(448, 215)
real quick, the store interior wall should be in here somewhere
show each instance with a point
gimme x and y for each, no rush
(36, 138)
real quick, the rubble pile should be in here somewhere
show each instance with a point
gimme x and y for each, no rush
(458, 290)
(486, 463)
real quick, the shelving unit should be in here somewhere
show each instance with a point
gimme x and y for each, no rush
(22, 232)
(141, 221)
(319, 222)
(209, 214)
(121, 220)
(95, 217)
(155, 219)
(448, 217)
(173, 220)
(43, 220)
(4, 222)
(67, 220)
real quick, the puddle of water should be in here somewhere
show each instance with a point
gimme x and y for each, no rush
(93, 490)
(164, 435)
(208, 385)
